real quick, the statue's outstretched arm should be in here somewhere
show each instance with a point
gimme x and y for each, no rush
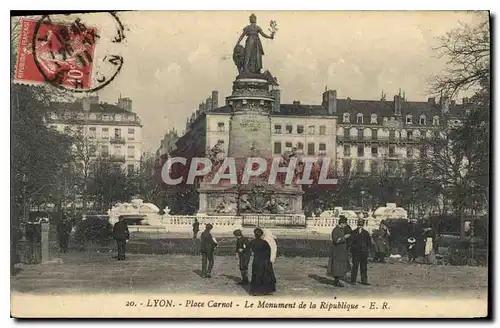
(265, 35)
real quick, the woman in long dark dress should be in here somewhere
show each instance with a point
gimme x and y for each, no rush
(263, 279)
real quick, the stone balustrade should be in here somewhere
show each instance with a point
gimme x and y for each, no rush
(228, 223)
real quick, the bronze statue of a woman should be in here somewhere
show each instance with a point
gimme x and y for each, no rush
(249, 59)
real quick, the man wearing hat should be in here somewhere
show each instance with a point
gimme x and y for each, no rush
(243, 255)
(207, 250)
(361, 244)
(338, 263)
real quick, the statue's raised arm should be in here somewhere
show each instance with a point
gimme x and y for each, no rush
(248, 59)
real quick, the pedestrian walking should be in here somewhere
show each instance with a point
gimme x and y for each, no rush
(207, 250)
(360, 243)
(339, 259)
(196, 228)
(243, 254)
(412, 249)
(263, 278)
(122, 235)
(381, 240)
(63, 233)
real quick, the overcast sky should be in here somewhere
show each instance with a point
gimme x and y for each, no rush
(173, 60)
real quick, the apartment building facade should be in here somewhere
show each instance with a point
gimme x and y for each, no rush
(111, 131)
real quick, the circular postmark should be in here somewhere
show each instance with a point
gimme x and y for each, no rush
(64, 52)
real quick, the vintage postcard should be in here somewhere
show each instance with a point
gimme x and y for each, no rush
(267, 164)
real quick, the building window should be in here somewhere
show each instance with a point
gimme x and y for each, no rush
(92, 129)
(409, 152)
(322, 130)
(374, 151)
(131, 134)
(300, 146)
(423, 151)
(346, 118)
(360, 133)
(104, 151)
(374, 167)
(310, 148)
(392, 135)
(361, 151)
(409, 135)
(105, 133)
(130, 169)
(422, 119)
(322, 147)
(408, 119)
(347, 150)
(373, 119)
(409, 169)
(346, 133)
(220, 142)
(346, 166)
(277, 147)
(392, 151)
(359, 118)
(386, 119)
(289, 129)
(300, 129)
(374, 134)
(131, 152)
(277, 128)
(220, 126)
(288, 145)
(360, 166)
(118, 133)
(435, 120)
(311, 129)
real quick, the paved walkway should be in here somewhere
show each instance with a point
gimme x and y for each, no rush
(99, 272)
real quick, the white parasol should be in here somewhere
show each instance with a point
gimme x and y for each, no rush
(271, 240)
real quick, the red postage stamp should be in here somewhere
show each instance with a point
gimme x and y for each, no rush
(57, 53)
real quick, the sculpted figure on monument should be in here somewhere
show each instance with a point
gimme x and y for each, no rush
(273, 207)
(228, 205)
(248, 59)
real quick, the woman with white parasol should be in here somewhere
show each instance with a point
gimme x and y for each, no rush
(271, 240)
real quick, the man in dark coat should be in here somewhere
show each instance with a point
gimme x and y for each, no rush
(207, 250)
(63, 231)
(361, 243)
(243, 254)
(339, 263)
(196, 228)
(348, 231)
(121, 235)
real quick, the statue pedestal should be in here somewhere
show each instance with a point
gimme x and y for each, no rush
(250, 136)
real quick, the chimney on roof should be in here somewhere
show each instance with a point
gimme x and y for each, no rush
(125, 103)
(296, 102)
(431, 101)
(276, 94)
(209, 104)
(215, 99)
(201, 108)
(330, 101)
(445, 104)
(88, 101)
(397, 104)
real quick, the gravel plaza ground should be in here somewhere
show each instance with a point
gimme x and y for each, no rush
(98, 272)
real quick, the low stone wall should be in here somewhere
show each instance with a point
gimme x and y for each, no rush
(228, 223)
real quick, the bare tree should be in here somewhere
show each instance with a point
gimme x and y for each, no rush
(467, 52)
